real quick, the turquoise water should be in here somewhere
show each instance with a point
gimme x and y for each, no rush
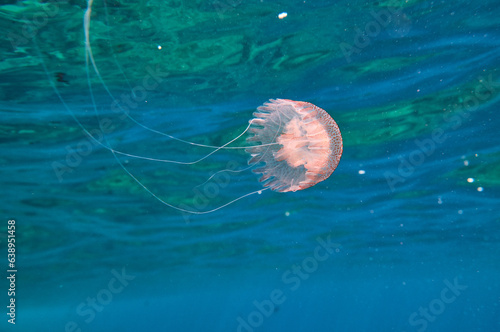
(404, 236)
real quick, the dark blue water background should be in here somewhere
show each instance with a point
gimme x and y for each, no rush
(411, 213)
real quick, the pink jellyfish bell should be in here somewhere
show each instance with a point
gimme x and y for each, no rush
(300, 144)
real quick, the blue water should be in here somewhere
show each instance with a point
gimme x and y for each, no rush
(404, 236)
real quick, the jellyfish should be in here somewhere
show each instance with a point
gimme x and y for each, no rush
(291, 145)
(301, 144)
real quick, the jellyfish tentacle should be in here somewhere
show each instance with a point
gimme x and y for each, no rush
(293, 137)
(90, 55)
